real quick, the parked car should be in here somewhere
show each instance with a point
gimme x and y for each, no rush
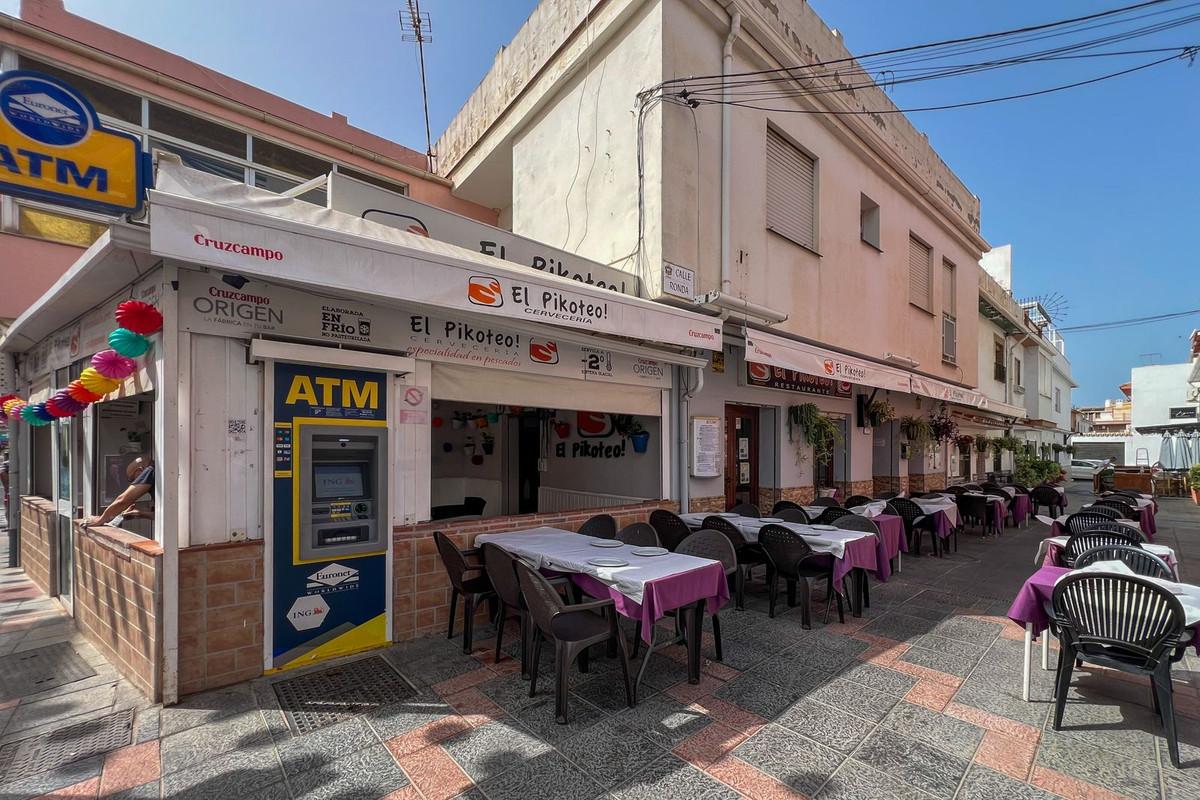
(1083, 469)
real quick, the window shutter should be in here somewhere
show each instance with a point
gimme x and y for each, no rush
(949, 338)
(949, 289)
(791, 191)
(920, 288)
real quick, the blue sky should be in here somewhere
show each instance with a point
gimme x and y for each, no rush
(1095, 188)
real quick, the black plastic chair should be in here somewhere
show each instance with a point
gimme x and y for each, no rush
(1122, 622)
(1141, 561)
(1049, 497)
(1080, 543)
(830, 514)
(670, 528)
(886, 495)
(955, 490)
(1133, 534)
(746, 510)
(795, 515)
(639, 534)
(1126, 510)
(1086, 520)
(1004, 498)
(602, 526)
(502, 571)
(1105, 511)
(749, 554)
(916, 522)
(468, 580)
(473, 506)
(824, 502)
(793, 559)
(975, 509)
(781, 505)
(856, 500)
(573, 629)
(857, 522)
(714, 545)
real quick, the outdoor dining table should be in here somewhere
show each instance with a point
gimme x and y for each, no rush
(1051, 546)
(944, 512)
(645, 589)
(1021, 508)
(998, 506)
(1028, 609)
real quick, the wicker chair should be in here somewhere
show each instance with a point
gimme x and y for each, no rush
(1093, 628)
(670, 528)
(856, 500)
(749, 554)
(746, 510)
(791, 558)
(1079, 543)
(573, 629)
(713, 545)
(1141, 561)
(639, 534)
(831, 513)
(1049, 497)
(466, 580)
(824, 502)
(602, 526)
(795, 515)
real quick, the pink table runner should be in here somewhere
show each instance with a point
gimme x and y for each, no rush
(1020, 508)
(706, 583)
(890, 544)
(1029, 606)
(1149, 527)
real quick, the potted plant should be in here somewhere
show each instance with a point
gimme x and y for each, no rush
(982, 444)
(468, 446)
(942, 425)
(1194, 483)
(917, 430)
(807, 425)
(966, 440)
(630, 427)
(880, 411)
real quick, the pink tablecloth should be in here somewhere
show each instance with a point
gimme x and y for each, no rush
(1029, 608)
(858, 553)
(891, 543)
(1020, 508)
(706, 583)
(1147, 522)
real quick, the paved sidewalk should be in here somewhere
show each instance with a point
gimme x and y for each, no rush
(919, 699)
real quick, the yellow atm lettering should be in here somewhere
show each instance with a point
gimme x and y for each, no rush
(325, 392)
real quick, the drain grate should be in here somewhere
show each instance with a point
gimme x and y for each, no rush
(331, 695)
(51, 750)
(40, 669)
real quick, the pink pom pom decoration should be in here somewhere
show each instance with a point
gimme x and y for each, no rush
(112, 364)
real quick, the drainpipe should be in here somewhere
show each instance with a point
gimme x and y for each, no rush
(735, 27)
(683, 448)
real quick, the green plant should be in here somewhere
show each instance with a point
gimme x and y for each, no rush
(983, 444)
(1058, 448)
(626, 425)
(1194, 476)
(942, 425)
(880, 411)
(917, 430)
(807, 425)
(966, 440)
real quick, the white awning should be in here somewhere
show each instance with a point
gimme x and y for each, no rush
(766, 348)
(476, 384)
(939, 390)
(208, 220)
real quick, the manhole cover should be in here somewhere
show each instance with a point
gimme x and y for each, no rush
(40, 669)
(50, 750)
(331, 695)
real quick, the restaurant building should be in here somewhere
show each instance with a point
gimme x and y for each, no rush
(838, 247)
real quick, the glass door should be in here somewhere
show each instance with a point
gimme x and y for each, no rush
(64, 501)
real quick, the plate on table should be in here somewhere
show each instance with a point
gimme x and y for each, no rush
(823, 527)
(726, 514)
(770, 519)
(650, 551)
(607, 543)
(607, 562)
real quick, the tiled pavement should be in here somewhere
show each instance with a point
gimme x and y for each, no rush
(918, 699)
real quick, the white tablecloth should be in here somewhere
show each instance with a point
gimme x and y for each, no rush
(871, 509)
(1160, 550)
(832, 542)
(1189, 595)
(1009, 490)
(948, 507)
(564, 551)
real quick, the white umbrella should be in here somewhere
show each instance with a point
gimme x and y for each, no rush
(1194, 440)
(1166, 454)
(1185, 450)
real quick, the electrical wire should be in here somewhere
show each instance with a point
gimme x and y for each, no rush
(1126, 323)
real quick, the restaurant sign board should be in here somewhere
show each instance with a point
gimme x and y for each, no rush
(789, 380)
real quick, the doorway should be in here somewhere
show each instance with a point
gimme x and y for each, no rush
(741, 455)
(65, 510)
(531, 428)
(833, 471)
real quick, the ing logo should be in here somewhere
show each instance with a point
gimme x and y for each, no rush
(483, 290)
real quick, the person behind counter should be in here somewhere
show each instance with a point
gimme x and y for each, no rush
(141, 482)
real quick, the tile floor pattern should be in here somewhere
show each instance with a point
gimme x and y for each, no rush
(918, 699)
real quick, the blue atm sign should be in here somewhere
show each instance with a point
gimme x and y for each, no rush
(54, 148)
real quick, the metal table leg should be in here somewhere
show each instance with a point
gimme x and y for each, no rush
(1025, 663)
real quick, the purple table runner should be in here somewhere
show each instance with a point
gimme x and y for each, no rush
(1029, 606)
(706, 583)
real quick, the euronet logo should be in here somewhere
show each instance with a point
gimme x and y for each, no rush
(44, 106)
(265, 253)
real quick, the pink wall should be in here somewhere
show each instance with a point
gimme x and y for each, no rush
(28, 267)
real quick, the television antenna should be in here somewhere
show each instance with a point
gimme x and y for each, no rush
(415, 27)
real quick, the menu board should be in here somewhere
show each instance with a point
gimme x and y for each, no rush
(707, 447)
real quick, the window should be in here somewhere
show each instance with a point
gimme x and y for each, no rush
(399, 188)
(949, 311)
(194, 130)
(105, 99)
(1043, 376)
(868, 221)
(1057, 399)
(202, 161)
(273, 183)
(920, 283)
(791, 191)
(1018, 382)
(56, 227)
(998, 365)
(284, 159)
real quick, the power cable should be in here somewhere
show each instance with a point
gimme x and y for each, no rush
(1126, 323)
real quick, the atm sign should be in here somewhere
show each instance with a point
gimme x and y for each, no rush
(330, 392)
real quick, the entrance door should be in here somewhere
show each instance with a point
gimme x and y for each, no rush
(832, 471)
(529, 453)
(741, 455)
(63, 501)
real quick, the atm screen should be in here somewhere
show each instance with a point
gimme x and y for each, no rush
(337, 481)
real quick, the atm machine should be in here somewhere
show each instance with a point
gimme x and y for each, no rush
(343, 499)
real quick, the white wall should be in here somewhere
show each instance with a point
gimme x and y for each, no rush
(1155, 390)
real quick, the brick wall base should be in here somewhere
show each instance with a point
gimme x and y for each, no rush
(927, 482)
(220, 615)
(800, 495)
(891, 483)
(852, 488)
(39, 543)
(118, 584)
(706, 505)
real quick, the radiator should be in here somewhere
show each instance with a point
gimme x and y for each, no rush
(551, 499)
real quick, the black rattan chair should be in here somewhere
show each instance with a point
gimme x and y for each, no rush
(791, 558)
(1122, 622)
(1049, 497)
(856, 500)
(781, 505)
(824, 502)
(573, 629)
(749, 554)
(1141, 561)
(1080, 543)
(831, 513)
(794, 515)
(468, 580)
(639, 534)
(714, 545)
(602, 526)
(746, 510)
(916, 522)
(670, 528)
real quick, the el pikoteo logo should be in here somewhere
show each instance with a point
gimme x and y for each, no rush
(484, 290)
(543, 351)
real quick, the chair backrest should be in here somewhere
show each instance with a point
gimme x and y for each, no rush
(670, 528)
(972, 487)
(986, 485)
(830, 514)
(639, 534)
(746, 510)
(907, 510)
(781, 505)
(1123, 616)
(856, 522)
(1132, 533)
(784, 548)
(1126, 510)
(825, 502)
(856, 500)
(473, 506)
(502, 572)
(1019, 489)
(710, 544)
(886, 495)
(1046, 496)
(1141, 561)
(1082, 542)
(1128, 492)
(972, 505)
(452, 559)
(797, 515)
(602, 526)
(727, 528)
(540, 597)
(1105, 511)
(1086, 520)
(956, 489)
